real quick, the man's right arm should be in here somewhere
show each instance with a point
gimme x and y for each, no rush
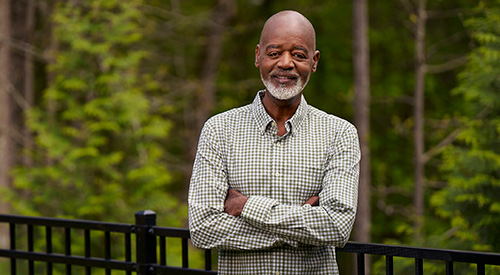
(209, 225)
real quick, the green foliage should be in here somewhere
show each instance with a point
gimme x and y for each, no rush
(100, 131)
(472, 164)
(124, 75)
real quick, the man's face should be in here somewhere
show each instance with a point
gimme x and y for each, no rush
(286, 57)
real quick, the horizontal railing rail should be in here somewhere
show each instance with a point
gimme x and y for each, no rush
(419, 254)
(150, 239)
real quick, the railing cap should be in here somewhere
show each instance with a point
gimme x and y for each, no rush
(145, 217)
(145, 213)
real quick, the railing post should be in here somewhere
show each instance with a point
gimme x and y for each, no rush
(13, 267)
(419, 266)
(389, 265)
(361, 263)
(146, 242)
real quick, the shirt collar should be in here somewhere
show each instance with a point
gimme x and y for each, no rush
(263, 119)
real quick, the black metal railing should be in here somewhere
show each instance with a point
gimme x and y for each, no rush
(148, 238)
(448, 257)
(147, 252)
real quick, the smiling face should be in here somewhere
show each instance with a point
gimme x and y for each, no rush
(286, 54)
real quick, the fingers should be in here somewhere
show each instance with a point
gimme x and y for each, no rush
(313, 201)
(232, 193)
(235, 200)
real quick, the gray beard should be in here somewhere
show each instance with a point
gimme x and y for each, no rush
(283, 92)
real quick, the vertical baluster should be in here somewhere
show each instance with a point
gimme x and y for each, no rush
(449, 268)
(107, 248)
(67, 247)
(48, 247)
(480, 269)
(361, 264)
(12, 229)
(128, 251)
(419, 266)
(163, 250)
(31, 264)
(208, 259)
(185, 259)
(389, 265)
(87, 249)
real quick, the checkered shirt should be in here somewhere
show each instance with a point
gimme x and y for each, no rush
(276, 233)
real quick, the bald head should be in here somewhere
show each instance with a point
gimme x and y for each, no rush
(290, 22)
(286, 55)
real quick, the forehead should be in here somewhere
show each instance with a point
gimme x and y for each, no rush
(288, 30)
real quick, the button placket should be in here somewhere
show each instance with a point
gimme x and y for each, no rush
(277, 160)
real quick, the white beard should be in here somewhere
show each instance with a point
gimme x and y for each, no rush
(282, 92)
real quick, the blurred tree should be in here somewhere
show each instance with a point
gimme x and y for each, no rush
(99, 151)
(362, 227)
(472, 163)
(441, 52)
(424, 55)
(6, 159)
(16, 86)
(187, 48)
(418, 117)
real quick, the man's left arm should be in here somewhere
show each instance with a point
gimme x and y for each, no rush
(330, 222)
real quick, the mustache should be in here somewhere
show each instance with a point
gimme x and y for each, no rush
(283, 72)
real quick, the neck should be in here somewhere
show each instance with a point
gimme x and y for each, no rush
(280, 110)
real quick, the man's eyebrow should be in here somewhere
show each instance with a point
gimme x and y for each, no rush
(301, 48)
(273, 47)
(295, 48)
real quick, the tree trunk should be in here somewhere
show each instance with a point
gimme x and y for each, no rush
(50, 52)
(362, 231)
(418, 115)
(29, 80)
(16, 82)
(204, 101)
(6, 142)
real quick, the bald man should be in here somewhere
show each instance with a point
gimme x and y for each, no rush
(274, 184)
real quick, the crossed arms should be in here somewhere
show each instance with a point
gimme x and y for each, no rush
(223, 218)
(235, 201)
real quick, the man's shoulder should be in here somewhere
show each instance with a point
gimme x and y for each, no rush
(230, 116)
(329, 120)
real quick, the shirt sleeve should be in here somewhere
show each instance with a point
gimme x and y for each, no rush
(331, 222)
(209, 225)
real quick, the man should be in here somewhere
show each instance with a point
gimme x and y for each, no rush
(274, 184)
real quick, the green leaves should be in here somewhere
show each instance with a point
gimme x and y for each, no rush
(99, 151)
(472, 163)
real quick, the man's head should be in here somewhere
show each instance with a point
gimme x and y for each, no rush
(286, 54)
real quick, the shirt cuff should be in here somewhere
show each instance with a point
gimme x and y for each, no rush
(257, 210)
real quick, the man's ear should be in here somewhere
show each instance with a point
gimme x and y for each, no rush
(315, 61)
(257, 54)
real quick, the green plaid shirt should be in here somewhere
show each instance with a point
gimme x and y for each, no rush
(276, 233)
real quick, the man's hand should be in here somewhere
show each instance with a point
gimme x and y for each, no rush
(313, 201)
(234, 202)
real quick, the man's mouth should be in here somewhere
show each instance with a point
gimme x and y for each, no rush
(285, 78)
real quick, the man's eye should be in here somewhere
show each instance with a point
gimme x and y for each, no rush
(273, 54)
(299, 55)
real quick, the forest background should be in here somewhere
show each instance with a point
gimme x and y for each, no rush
(102, 101)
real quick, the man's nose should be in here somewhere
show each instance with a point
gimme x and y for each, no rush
(286, 61)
